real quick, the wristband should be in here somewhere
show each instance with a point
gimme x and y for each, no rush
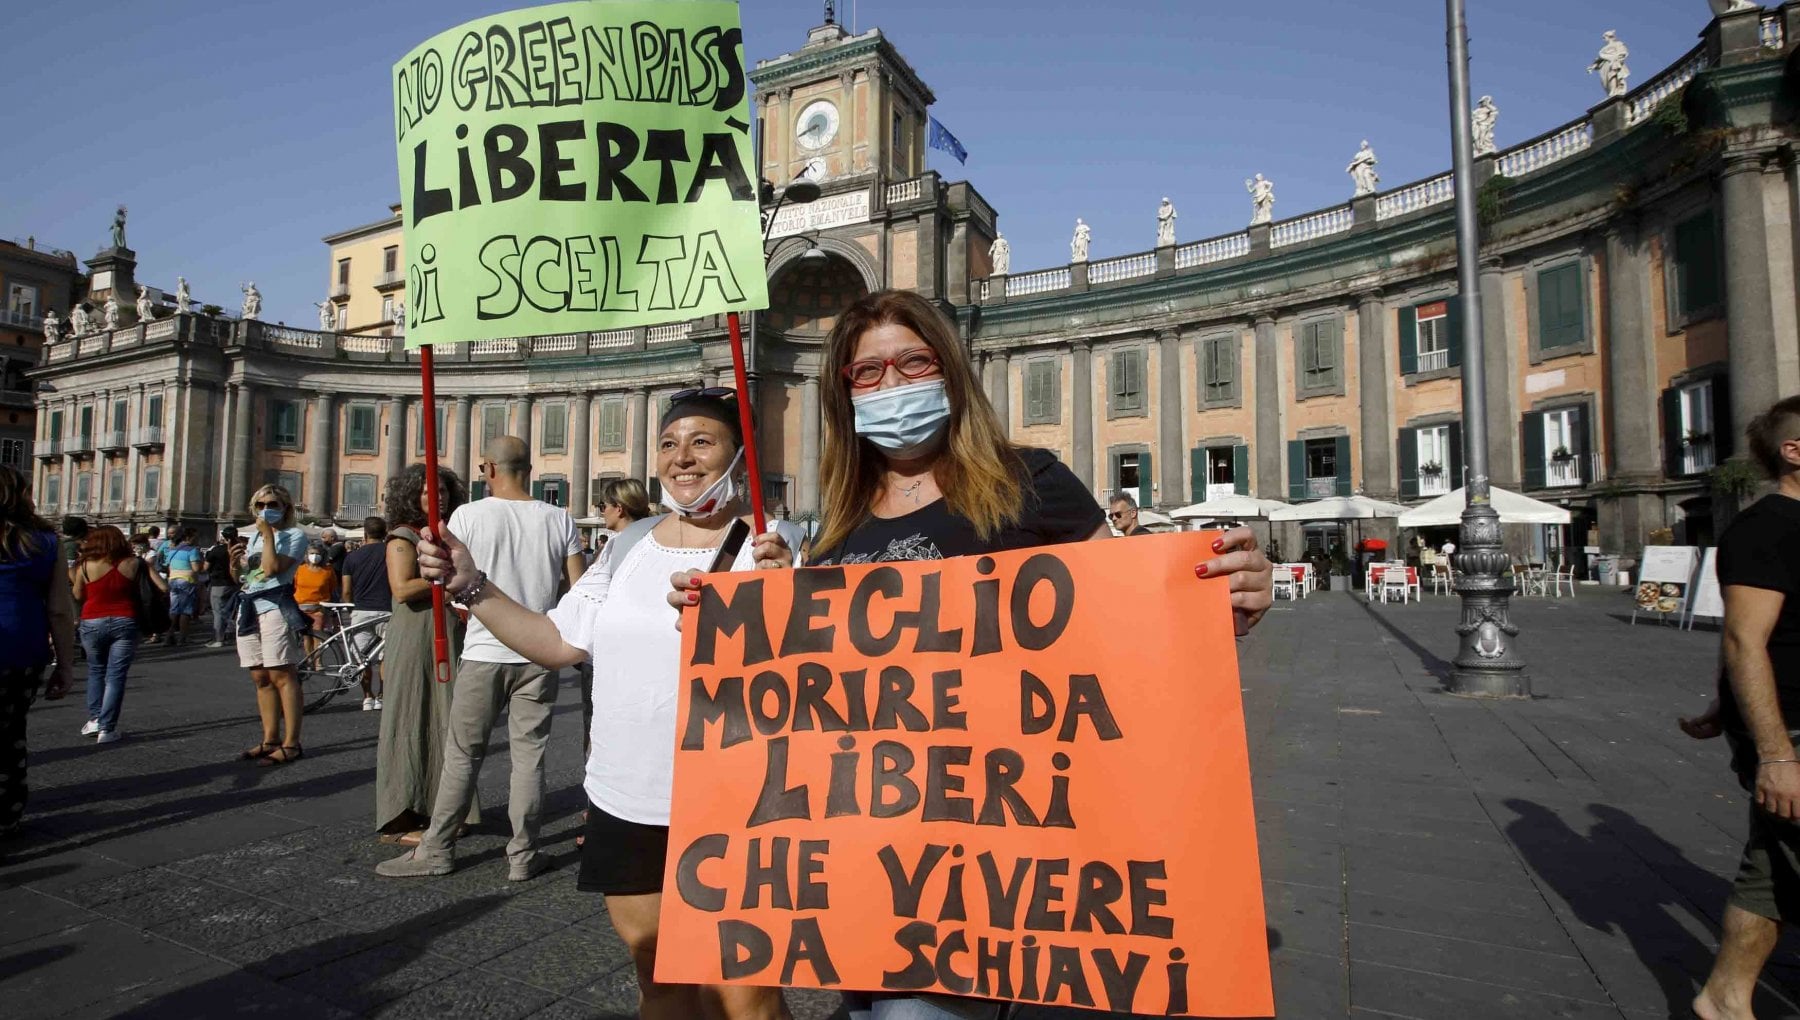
(1778, 761)
(471, 593)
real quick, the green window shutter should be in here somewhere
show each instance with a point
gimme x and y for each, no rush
(1453, 470)
(1240, 469)
(1134, 376)
(1581, 437)
(1409, 463)
(1199, 476)
(1146, 484)
(1560, 306)
(1409, 341)
(1453, 327)
(1296, 470)
(1331, 333)
(1309, 353)
(478, 490)
(1115, 379)
(1724, 430)
(1671, 417)
(537, 489)
(1343, 465)
(1531, 444)
(1697, 268)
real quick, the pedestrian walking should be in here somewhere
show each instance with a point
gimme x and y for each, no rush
(1757, 709)
(37, 619)
(365, 587)
(618, 616)
(269, 624)
(107, 580)
(334, 548)
(415, 714)
(916, 465)
(221, 584)
(68, 545)
(532, 550)
(183, 566)
(315, 583)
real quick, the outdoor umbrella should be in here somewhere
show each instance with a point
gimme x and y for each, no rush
(1232, 508)
(1338, 508)
(1447, 510)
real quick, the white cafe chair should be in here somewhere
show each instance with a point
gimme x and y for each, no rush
(1393, 581)
(1284, 582)
(1564, 576)
(1441, 581)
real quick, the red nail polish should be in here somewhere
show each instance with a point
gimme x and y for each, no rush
(1218, 545)
(693, 598)
(1200, 571)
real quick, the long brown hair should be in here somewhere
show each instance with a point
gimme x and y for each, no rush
(978, 471)
(21, 529)
(105, 544)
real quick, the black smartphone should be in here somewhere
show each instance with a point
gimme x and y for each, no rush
(728, 550)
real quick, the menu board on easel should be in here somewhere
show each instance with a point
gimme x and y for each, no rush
(1707, 600)
(1665, 577)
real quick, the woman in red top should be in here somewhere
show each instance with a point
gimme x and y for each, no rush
(105, 579)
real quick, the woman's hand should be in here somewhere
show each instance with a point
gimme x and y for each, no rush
(770, 551)
(684, 590)
(1251, 573)
(264, 528)
(449, 562)
(1704, 726)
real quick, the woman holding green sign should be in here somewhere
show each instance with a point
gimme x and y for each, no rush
(618, 617)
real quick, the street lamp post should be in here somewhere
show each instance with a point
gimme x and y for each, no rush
(800, 191)
(1487, 664)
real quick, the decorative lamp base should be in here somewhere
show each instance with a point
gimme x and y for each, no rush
(1486, 665)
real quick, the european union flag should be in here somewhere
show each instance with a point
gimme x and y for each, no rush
(943, 139)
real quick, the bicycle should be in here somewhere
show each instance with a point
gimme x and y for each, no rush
(339, 662)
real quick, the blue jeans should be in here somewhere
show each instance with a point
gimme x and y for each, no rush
(890, 1006)
(111, 643)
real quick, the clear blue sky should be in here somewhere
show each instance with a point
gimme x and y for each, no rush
(240, 134)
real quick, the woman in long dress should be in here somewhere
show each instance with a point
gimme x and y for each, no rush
(415, 716)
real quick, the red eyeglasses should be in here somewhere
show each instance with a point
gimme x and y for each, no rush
(914, 364)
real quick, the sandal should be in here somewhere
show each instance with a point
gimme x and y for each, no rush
(288, 752)
(259, 751)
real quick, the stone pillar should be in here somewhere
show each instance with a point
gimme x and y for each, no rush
(319, 455)
(134, 415)
(521, 421)
(1376, 422)
(581, 442)
(463, 442)
(1634, 448)
(1268, 447)
(636, 409)
(1169, 415)
(1001, 391)
(1749, 316)
(397, 452)
(809, 444)
(243, 433)
(175, 452)
(1500, 360)
(1083, 413)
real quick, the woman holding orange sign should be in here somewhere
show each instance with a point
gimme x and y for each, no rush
(917, 466)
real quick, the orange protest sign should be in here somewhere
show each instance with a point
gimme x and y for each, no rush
(1021, 776)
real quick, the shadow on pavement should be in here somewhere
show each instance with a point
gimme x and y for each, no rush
(1601, 877)
(1439, 668)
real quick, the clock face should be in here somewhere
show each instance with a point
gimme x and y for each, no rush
(817, 126)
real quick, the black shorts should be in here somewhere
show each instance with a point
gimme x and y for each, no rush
(621, 858)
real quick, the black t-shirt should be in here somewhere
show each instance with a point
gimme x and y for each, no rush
(367, 570)
(1057, 509)
(1761, 549)
(218, 565)
(335, 555)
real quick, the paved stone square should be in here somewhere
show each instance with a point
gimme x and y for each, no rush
(1423, 856)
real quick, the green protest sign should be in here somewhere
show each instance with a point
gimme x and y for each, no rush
(577, 166)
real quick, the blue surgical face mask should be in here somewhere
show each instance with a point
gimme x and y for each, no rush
(273, 515)
(906, 421)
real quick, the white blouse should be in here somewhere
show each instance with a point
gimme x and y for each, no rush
(619, 614)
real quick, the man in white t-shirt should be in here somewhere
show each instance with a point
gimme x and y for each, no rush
(533, 552)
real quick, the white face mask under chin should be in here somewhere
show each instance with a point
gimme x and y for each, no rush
(712, 499)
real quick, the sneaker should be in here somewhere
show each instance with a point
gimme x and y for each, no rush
(408, 865)
(369, 704)
(377, 704)
(527, 871)
(109, 737)
(215, 644)
(92, 727)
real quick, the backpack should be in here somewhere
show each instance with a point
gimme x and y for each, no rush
(150, 602)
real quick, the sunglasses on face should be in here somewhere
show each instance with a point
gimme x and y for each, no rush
(267, 506)
(713, 392)
(914, 364)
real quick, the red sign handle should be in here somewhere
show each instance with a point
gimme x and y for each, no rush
(751, 462)
(440, 623)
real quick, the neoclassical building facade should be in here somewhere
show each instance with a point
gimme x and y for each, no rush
(1638, 296)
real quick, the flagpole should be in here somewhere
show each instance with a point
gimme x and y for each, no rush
(440, 624)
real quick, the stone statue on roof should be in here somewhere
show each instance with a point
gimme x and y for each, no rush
(1000, 253)
(1611, 65)
(118, 228)
(1078, 245)
(1482, 121)
(1165, 223)
(1362, 170)
(1262, 199)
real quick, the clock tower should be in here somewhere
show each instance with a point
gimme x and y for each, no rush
(841, 106)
